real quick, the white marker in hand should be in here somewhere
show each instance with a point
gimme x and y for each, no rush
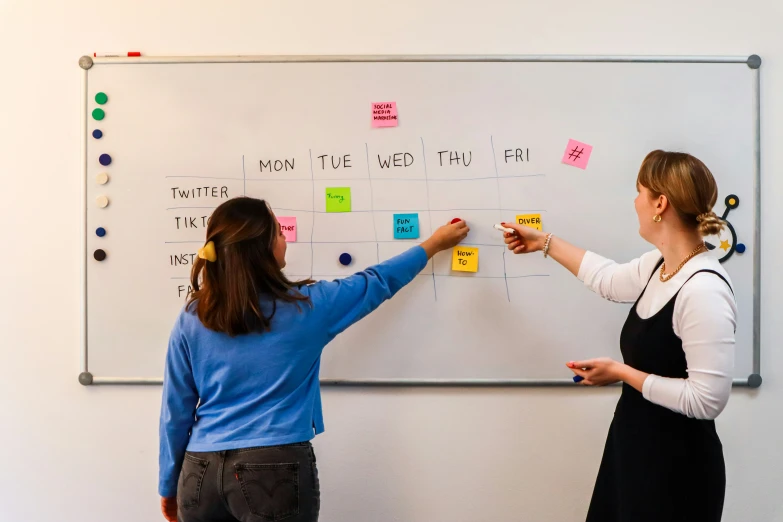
(504, 229)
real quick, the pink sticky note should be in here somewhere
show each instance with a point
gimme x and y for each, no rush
(577, 154)
(288, 226)
(384, 114)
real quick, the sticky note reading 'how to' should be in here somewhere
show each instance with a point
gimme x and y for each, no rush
(384, 114)
(338, 199)
(288, 227)
(406, 226)
(577, 154)
(465, 259)
(530, 220)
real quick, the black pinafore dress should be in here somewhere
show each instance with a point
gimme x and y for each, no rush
(658, 465)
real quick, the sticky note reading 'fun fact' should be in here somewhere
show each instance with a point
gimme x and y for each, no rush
(406, 226)
(288, 227)
(577, 154)
(384, 114)
(530, 220)
(464, 259)
(338, 199)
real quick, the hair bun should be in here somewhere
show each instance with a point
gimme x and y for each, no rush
(709, 223)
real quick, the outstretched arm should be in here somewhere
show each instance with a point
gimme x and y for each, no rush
(348, 300)
(612, 281)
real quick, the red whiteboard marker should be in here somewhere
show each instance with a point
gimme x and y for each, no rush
(116, 55)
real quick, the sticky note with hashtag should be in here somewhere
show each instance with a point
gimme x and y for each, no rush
(577, 154)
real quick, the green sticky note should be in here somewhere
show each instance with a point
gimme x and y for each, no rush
(338, 199)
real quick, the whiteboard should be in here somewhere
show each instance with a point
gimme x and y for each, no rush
(482, 139)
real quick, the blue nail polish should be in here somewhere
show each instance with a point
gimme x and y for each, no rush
(578, 378)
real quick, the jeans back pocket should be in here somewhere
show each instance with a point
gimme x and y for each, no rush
(190, 480)
(270, 490)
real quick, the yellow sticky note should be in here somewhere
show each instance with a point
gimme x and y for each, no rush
(530, 220)
(464, 259)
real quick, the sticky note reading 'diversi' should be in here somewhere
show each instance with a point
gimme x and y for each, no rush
(530, 220)
(465, 259)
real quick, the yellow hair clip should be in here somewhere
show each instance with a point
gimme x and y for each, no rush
(208, 252)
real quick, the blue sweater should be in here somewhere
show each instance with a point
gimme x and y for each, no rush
(262, 389)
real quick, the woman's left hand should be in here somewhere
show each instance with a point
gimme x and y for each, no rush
(597, 372)
(168, 506)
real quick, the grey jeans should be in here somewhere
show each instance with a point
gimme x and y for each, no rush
(250, 485)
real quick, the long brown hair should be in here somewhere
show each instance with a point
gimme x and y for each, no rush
(226, 292)
(688, 185)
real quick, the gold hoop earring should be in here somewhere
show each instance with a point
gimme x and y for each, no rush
(657, 218)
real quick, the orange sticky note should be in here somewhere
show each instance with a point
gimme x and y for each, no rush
(530, 220)
(384, 114)
(464, 259)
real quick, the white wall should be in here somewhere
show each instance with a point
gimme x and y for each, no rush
(71, 453)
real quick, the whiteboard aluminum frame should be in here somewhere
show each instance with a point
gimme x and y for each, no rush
(753, 62)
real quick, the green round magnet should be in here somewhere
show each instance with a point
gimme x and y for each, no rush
(101, 98)
(98, 114)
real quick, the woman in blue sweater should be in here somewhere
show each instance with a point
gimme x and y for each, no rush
(241, 397)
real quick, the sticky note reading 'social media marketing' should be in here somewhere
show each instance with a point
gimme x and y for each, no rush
(406, 226)
(464, 259)
(338, 199)
(288, 227)
(384, 114)
(530, 220)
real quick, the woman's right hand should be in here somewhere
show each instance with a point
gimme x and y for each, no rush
(168, 506)
(447, 236)
(524, 240)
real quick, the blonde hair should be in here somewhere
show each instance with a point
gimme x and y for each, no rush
(688, 185)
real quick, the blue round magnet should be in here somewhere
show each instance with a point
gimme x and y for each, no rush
(105, 159)
(345, 259)
(97, 134)
(741, 248)
(100, 232)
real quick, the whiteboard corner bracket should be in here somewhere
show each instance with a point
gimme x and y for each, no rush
(754, 380)
(85, 62)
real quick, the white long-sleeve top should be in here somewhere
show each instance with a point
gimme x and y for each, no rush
(705, 318)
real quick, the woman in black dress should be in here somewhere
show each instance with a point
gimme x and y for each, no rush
(663, 459)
